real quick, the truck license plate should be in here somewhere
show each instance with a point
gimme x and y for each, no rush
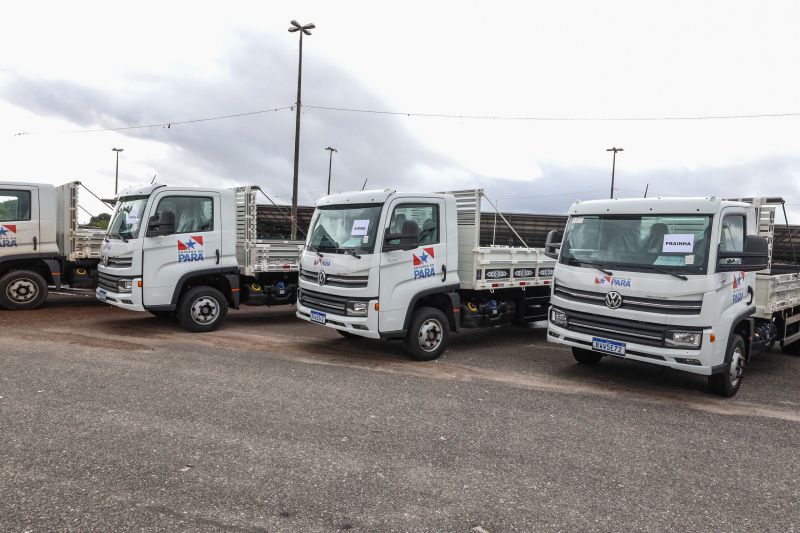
(317, 316)
(101, 295)
(608, 346)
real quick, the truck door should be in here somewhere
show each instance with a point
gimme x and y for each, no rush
(739, 285)
(19, 220)
(193, 246)
(405, 274)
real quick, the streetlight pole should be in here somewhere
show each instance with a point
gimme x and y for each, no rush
(116, 172)
(613, 166)
(330, 164)
(303, 30)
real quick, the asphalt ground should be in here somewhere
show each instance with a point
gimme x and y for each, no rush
(117, 421)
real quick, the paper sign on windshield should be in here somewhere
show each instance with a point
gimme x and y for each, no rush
(678, 243)
(133, 216)
(360, 227)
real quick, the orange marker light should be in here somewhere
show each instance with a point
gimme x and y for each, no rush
(377, 307)
(712, 337)
(139, 284)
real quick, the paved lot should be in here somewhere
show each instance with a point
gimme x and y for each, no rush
(116, 421)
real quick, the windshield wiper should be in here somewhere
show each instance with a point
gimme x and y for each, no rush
(598, 266)
(664, 271)
(350, 251)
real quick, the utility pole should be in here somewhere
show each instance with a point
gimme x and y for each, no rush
(330, 164)
(116, 172)
(613, 166)
(303, 30)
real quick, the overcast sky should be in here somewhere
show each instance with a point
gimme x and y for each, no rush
(94, 65)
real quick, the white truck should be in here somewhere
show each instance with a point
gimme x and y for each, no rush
(389, 265)
(192, 253)
(42, 244)
(685, 283)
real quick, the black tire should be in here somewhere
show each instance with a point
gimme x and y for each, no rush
(202, 309)
(162, 314)
(347, 334)
(22, 289)
(586, 357)
(428, 334)
(727, 382)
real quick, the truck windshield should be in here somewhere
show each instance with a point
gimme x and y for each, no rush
(127, 218)
(660, 243)
(337, 228)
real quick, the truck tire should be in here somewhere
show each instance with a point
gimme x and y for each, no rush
(727, 382)
(202, 309)
(22, 289)
(586, 357)
(427, 337)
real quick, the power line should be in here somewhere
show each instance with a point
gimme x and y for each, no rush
(170, 124)
(550, 119)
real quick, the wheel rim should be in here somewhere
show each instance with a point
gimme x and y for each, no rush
(205, 310)
(430, 335)
(22, 290)
(737, 366)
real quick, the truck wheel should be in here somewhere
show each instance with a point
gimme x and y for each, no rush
(22, 289)
(727, 382)
(427, 337)
(586, 357)
(202, 309)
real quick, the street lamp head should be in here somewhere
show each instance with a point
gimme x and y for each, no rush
(615, 149)
(117, 149)
(309, 26)
(331, 149)
(292, 30)
(295, 24)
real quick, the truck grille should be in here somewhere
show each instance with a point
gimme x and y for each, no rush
(634, 331)
(324, 302)
(648, 305)
(108, 281)
(333, 280)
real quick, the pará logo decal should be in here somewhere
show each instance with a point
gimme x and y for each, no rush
(424, 264)
(613, 281)
(8, 235)
(739, 283)
(191, 250)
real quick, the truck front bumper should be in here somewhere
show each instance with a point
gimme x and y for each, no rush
(704, 361)
(363, 326)
(126, 300)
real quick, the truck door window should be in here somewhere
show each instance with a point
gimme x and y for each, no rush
(425, 215)
(193, 214)
(732, 235)
(15, 205)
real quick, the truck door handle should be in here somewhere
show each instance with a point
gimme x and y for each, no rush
(444, 273)
(217, 256)
(35, 243)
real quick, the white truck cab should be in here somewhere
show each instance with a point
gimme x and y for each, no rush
(192, 253)
(41, 243)
(390, 265)
(679, 282)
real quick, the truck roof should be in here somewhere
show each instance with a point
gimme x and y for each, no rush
(377, 196)
(147, 190)
(631, 206)
(24, 184)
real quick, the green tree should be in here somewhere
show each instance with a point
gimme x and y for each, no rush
(100, 221)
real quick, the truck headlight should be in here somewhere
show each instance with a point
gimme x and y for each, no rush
(690, 339)
(558, 317)
(357, 308)
(125, 285)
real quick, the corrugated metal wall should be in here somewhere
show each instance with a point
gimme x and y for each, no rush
(532, 228)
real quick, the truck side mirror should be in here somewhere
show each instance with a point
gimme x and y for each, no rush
(407, 239)
(551, 248)
(755, 256)
(160, 226)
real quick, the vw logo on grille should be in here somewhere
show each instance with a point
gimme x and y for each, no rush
(613, 300)
(322, 278)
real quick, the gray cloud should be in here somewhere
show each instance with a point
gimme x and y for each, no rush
(261, 73)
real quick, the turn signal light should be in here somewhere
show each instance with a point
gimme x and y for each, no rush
(377, 307)
(712, 337)
(139, 284)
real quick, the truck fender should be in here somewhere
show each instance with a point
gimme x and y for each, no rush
(744, 317)
(233, 281)
(54, 267)
(194, 274)
(455, 301)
